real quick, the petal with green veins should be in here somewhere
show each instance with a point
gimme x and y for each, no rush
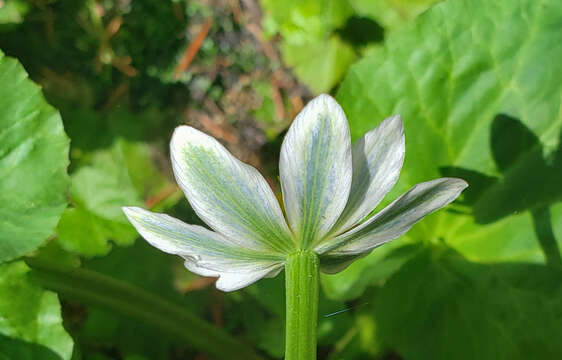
(315, 169)
(206, 252)
(377, 159)
(231, 281)
(395, 219)
(233, 198)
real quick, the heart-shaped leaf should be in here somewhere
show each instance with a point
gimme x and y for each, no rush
(33, 161)
(481, 101)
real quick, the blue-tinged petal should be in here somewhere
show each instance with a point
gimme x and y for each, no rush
(230, 196)
(377, 160)
(315, 169)
(206, 253)
(395, 219)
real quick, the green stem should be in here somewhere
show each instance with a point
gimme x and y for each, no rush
(302, 305)
(121, 297)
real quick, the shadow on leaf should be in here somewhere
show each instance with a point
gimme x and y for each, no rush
(529, 182)
(361, 31)
(444, 305)
(22, 350)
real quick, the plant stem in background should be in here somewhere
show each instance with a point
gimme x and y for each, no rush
(302, 305)
(96, 289)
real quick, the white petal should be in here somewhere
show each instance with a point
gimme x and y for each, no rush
(377, 159)
(229, 281)
(205, 249)
(230, 196)
(395, 219)
(315, 169)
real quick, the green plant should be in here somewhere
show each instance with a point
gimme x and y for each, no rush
(477, 83)
(252, 239)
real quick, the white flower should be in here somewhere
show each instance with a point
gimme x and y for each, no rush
(329, 189)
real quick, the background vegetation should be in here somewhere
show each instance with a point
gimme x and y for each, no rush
(478, 84)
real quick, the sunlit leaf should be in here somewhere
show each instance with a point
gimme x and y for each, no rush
(480, 100)
(33, 161)
(391, 14)
(99, 190)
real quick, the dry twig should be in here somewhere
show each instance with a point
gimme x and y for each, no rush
(193, 48)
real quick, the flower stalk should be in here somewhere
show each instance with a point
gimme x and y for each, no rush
(301, 282)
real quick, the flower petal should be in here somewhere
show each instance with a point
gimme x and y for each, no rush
(207, 251)
(377, 160)
(230, 196)
(315, 169)
(234, 281)
(395, 219)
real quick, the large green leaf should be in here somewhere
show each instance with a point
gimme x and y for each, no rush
(480, 100)
(33, 161)
(441, 306)
(30, 319)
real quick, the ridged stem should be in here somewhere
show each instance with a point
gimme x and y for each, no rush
(302, 305)
(123, 298)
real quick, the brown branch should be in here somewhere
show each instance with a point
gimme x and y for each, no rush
(123, 64)
(161, 196)
(277, 98)
(193, 48)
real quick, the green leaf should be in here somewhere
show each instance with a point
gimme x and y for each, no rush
(319, 57)
(319, 63)
(296, 18)
(30, 317)
(373, 269)
(441, 306)
(99, 190)
(13, 11)
(320, 39)
(389, 13)
(33, 161)
(480, 100)
(22, 350)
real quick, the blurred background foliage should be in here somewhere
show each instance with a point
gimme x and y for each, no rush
(477, 83)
